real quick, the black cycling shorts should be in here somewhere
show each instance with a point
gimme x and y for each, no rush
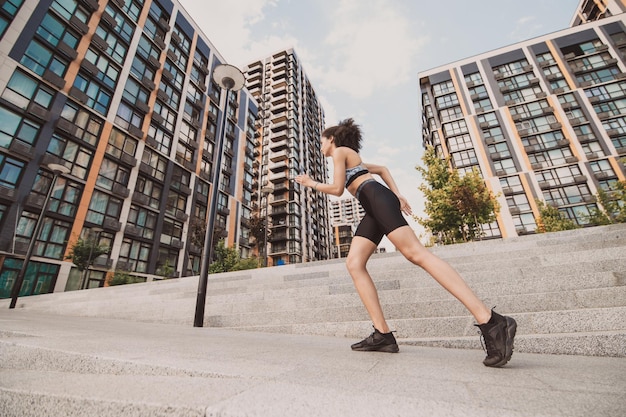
(382, 211)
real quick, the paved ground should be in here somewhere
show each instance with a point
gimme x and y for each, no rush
(71, 366)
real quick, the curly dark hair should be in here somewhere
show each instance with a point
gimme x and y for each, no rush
(346, 133)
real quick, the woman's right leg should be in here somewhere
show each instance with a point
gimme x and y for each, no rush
(498, 331)
(408, 244)
(361, 249)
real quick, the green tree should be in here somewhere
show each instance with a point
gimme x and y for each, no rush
(197, 231)
(166, 270)
(228, 259)
(442, 218)
(122, 278)
(475, 204)
(258, 230)
(84, 251)
(456, 206)
(614, 204)
(552, 220)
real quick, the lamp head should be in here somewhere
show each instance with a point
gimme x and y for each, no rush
(229, 77)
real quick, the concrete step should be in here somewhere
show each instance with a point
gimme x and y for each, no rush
(589, 332)
(601, 343)
(318, 294)
(391, 292)
(400, 305)
(569, 273)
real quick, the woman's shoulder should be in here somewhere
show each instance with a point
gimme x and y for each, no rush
(347, 153)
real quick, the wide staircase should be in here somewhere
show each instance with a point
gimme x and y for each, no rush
(567, 291)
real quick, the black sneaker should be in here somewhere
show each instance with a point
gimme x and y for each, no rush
(377, 342)
(498, 335)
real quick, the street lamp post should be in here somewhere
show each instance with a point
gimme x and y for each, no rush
(17, 286)
(266, 191)
(229, 78)
(97, 231)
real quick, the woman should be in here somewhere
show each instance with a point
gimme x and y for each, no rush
(384, 207)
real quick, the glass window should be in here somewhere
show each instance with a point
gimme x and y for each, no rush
(175, 204)
(120, 143)
(132, 8)
(22, 89)
(176, 77)
(40, 58)
(599, 76)
(103, 206)
(146, 48)
(155, 161)
(54, 31)
(443, 88)
(15, 127)
(504, 166)
(112, 174)
(511, 68)
(464, 158)
(171, 96)
(136, 254)
(458, 143)
(8, 10)
(52, 240)
(448, 100)
(169, 116)
(108, 72)
(172, 230)
(117, 48)
(163, 139)
(10, 171)
(88, 126)
(144, 219)
(511, 184)
(128, 116)
(141, 70)
(455, 128)
(151, 189)
(98, 98)
(76, 156)
(525, 222)
(124, 28)
(184, 155)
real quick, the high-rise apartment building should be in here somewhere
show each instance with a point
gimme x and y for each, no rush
(290, 123)
(543, 119)
(592, 10)
(120, 94)
(345, 216)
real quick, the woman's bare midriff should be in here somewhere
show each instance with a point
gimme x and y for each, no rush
(358, 181)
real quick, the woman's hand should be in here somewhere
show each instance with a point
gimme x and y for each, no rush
(405, 206)
(305, 180)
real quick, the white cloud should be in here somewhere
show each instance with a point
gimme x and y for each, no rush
(525, 28)
(228, 24)
(369, 47)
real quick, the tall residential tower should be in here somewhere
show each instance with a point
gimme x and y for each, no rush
(290, 123)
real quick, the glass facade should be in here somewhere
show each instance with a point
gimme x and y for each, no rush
(540, 120)
(126, 103)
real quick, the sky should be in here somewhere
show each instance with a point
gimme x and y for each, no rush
(362, 57)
